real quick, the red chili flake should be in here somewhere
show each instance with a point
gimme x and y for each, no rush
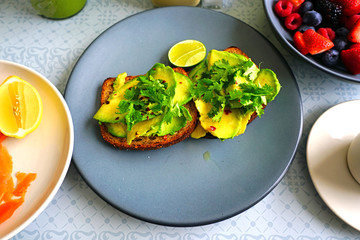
(165, 137)
(227, 111)
(212, 128)
(163, 81)
(180, 82)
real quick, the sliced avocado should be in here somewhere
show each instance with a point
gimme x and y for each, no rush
(108, 112)
(267, 76)
(198, 70)
(244, 122)
(198, 132)
(119, 81)
(232, 58)
(182, 90)
(116, 129)
(165, 73)
(227, 127)
(141, 128)
(176, 124)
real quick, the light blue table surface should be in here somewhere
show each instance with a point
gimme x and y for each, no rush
(293, 210)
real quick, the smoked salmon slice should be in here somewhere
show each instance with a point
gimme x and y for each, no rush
(11, 196)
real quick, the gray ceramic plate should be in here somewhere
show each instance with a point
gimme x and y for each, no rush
(286, 39)
(194, 182)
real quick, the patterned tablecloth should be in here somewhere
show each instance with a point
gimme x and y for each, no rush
(293, 210)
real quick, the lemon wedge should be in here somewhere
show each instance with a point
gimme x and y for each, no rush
(187, 53)
(20, 107)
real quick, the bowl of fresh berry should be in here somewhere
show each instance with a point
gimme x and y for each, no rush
(325, 33)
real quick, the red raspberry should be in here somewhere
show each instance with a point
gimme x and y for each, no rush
(293, 21)
(327, 32)
(283, 8)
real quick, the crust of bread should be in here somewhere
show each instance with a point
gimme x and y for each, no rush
(145, 142)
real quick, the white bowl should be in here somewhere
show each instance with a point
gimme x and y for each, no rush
(47, 151)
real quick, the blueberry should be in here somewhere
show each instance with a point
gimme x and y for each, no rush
(330, 58)
(312, 18)
(342, 32)
(306, 6)
(303, 28)
(340, 43)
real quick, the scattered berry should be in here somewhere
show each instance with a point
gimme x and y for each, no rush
(350, 7)
(351, 59)
(296, 3)
(306, 6)
(341, 32)
(283, 8)
(340, 43)
(354, 34)
(293, 21)
(355, 45)
(312, 18)
(350, 21)
(316, 43)
(330, 11)
(329, 29)
(303, 28)
(299, 43)
(327, 32)
(331, 57)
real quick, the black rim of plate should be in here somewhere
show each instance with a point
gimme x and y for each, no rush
(219, 218)
(284, 37)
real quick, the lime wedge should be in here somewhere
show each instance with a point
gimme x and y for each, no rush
(187, 53)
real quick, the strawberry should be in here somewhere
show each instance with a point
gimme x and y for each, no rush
(296, 3)
(354, 34)
(351, 59)
(349, 7)
(299, 43)
(355, 45)
(315, 42)
(350, 21)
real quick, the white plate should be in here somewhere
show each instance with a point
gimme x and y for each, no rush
(327, 146)
(47, 151)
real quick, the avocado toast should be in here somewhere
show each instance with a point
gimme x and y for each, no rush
(148, 111)
(229, 92)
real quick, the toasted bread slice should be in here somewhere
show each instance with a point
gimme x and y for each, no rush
(236, 50)
(145, 142)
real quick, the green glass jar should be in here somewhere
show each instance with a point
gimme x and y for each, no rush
(58, 9)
